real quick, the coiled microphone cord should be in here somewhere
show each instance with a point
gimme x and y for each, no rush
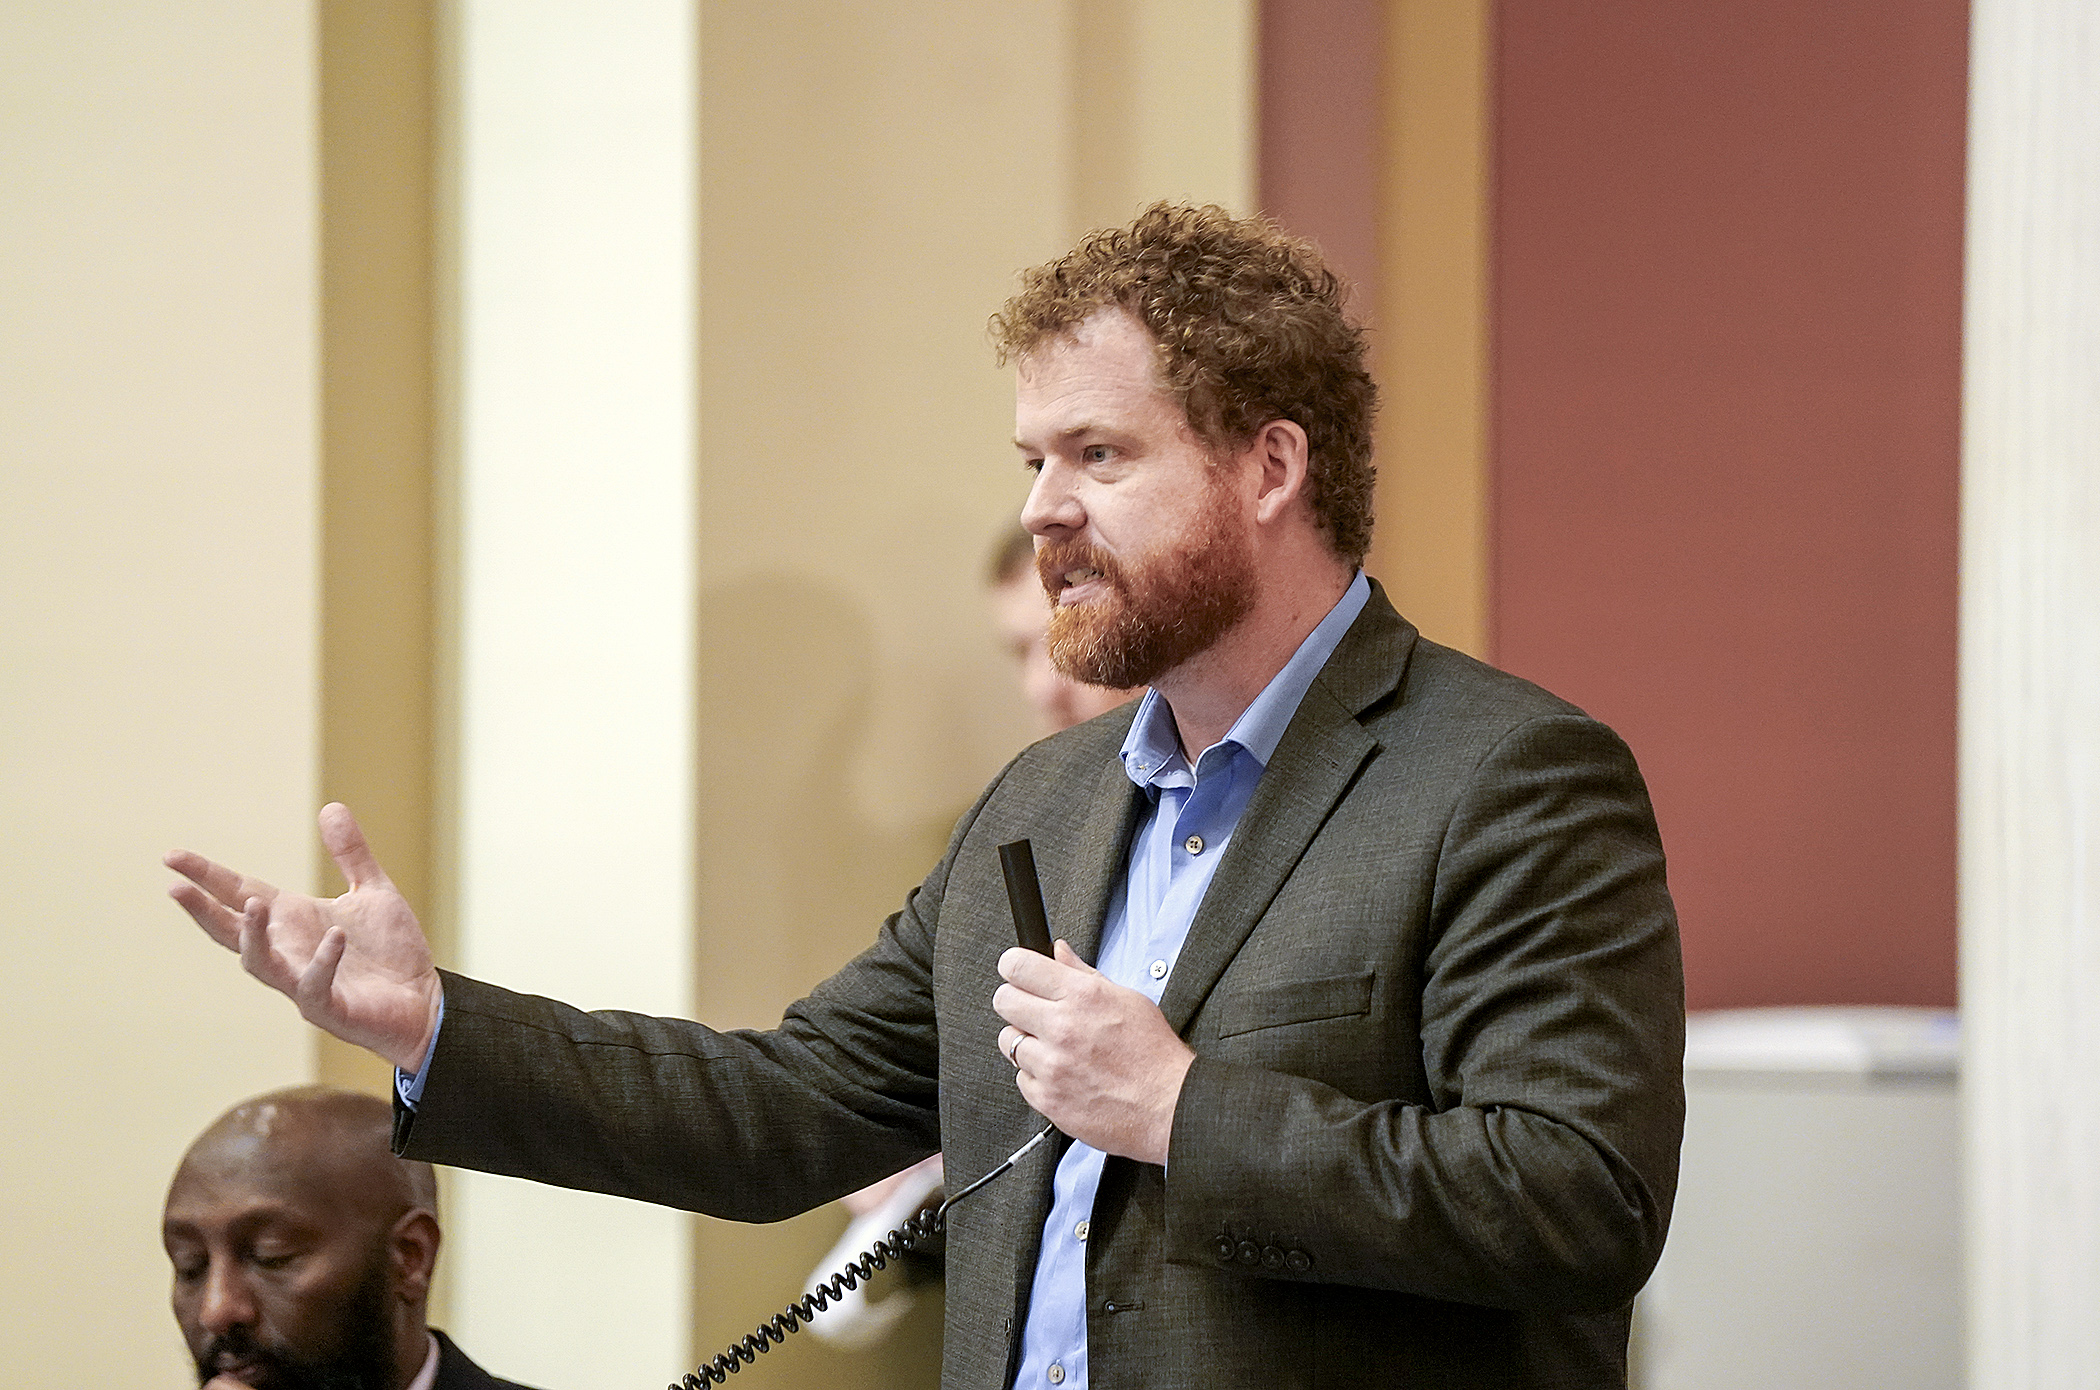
(921, 1228)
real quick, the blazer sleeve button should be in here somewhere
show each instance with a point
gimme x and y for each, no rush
(1250, 1253)
(1226, 1249)
(1271, 1258)
(1297, 1261)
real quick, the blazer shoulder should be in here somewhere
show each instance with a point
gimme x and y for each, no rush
(1450, 714)
(1442, 680)
(1384, 669)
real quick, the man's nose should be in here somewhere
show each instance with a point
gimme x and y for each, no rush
(226, 1301)
(1052, 507)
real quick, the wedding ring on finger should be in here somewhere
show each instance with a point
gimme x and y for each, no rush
(1013, 1053)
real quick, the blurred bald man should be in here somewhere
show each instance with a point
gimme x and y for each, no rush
(303, 1252)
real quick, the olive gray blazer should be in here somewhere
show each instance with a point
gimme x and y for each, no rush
(1430, 1135)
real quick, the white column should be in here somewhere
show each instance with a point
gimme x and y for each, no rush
(2030, 697)
(573, 198)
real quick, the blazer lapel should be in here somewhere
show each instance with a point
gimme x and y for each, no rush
(1313, 766)
(1078, 900)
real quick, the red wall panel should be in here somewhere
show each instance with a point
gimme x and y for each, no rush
(1727, 369)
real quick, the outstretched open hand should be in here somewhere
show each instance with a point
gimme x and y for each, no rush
(357, 965)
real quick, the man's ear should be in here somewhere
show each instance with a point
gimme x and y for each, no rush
(412, 1247)
(1283, 456)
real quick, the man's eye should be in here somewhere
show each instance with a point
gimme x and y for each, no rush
(1094, 453)
(272, 1260)
(1032, 465)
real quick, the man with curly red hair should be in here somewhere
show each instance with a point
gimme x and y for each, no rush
(1365, 1020)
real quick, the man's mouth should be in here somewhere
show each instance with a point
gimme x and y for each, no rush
(1072, 573)
(244, 1361)
(246, 1369)
(1077, 586)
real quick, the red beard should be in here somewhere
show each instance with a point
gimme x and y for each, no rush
(1159, 611)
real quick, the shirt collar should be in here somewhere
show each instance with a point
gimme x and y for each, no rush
(1152, 744)
(427, 1377)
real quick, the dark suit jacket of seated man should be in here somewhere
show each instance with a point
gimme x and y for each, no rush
(1379, 1077)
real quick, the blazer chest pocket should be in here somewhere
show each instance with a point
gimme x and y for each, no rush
(1293, 1001)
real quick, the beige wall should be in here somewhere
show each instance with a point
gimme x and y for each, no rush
(378, 567)
(1161, 103)
(872, 180)
(157, 623)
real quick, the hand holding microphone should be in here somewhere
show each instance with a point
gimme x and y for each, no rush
(1095, 1058)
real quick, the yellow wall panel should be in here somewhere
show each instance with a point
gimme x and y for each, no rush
(1432, 348)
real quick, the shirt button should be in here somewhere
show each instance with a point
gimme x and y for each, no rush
(1057, 1374)
(1193, 844)
(1159, 970)
(1081, 1229)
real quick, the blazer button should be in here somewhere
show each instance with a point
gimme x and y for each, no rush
(1250, 1253)
(1271, 1257)
(1226, 1249)
(1298, 1261)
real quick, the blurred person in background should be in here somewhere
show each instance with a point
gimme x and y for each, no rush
(303, 1250)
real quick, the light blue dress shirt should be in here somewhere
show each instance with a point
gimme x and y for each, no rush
(1173, 856)
(410, 1088)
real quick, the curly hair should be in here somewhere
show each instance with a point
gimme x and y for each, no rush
(1249, 325)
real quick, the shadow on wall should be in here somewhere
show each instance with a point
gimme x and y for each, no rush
(793, 880)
